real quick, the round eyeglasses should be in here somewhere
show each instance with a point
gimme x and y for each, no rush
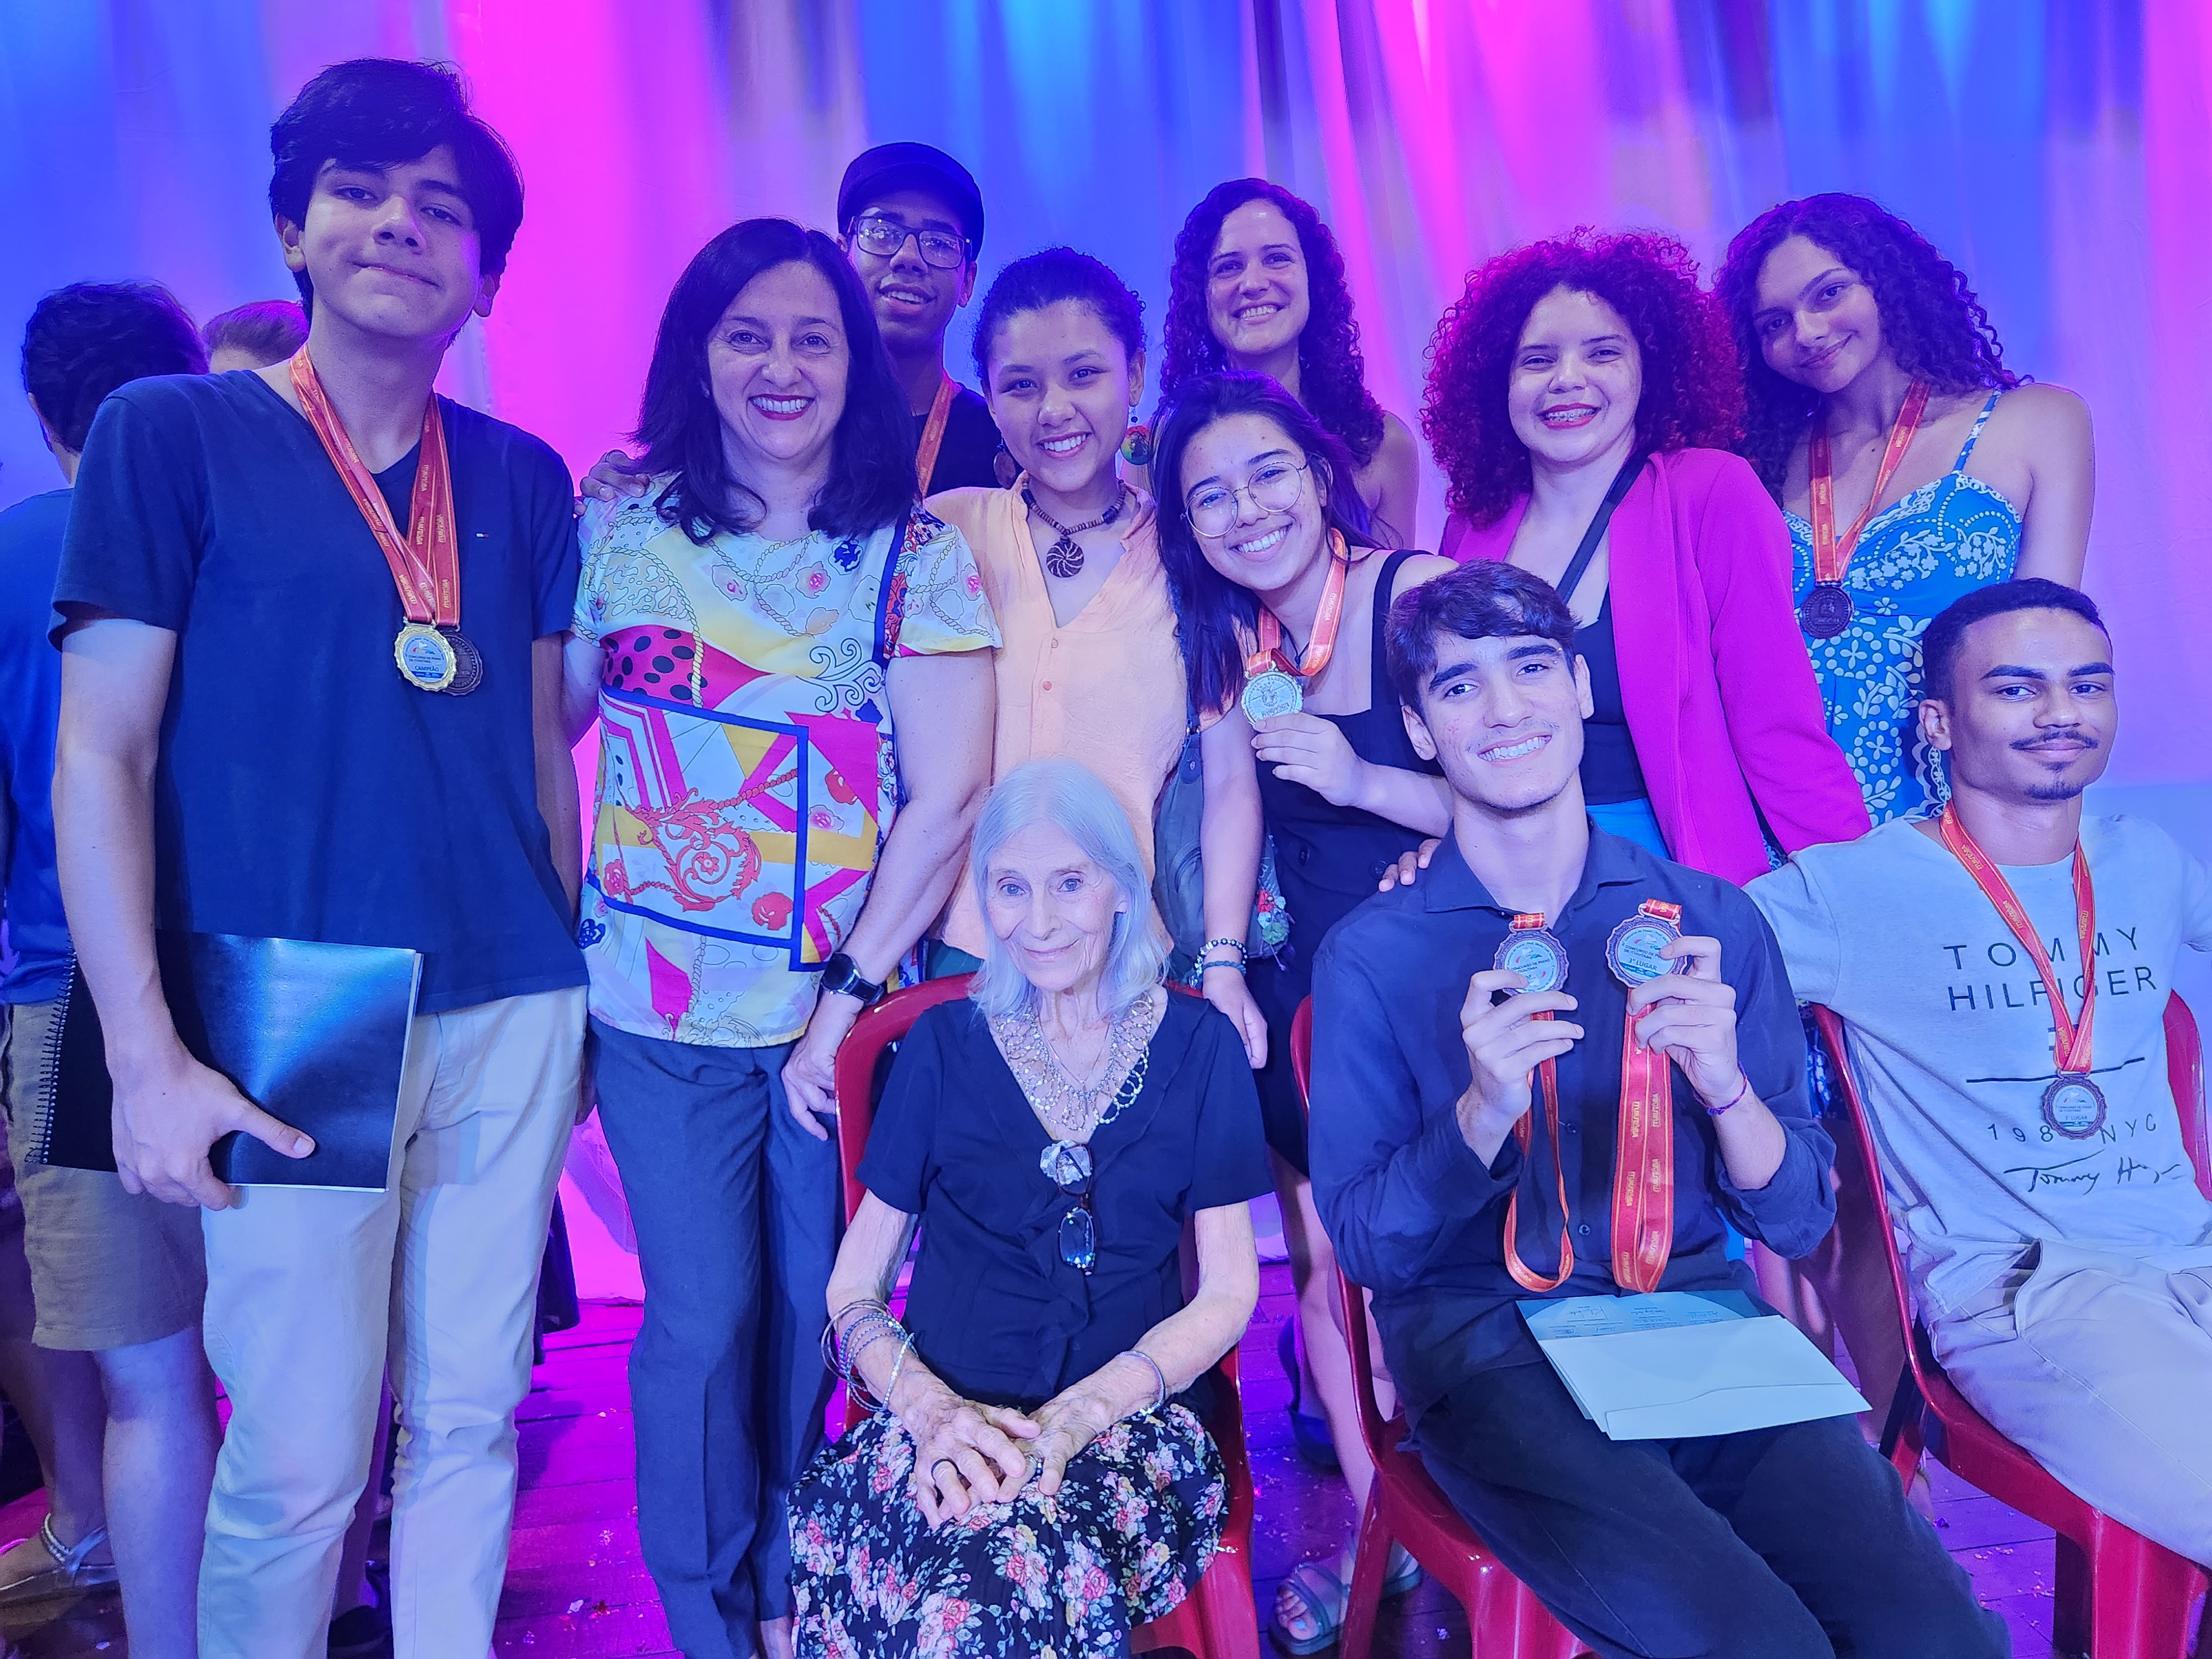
(885, 237)
(1274, 487)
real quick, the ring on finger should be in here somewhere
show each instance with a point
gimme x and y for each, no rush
(942, 1463)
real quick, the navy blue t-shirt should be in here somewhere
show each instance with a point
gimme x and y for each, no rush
(30, 700)
(305, 790)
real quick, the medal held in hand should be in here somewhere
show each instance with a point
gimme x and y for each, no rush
(431, 651)
(1828, 610)
(2073, 1105)
(1633, 952)
(1275, 685)
(1534, 951)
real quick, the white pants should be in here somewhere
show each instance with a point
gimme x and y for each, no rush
(312, 1294)
(2100, 1368)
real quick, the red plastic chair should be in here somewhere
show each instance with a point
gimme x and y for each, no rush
(2120, 1596)
(1503, 1617)
(1218, 1620)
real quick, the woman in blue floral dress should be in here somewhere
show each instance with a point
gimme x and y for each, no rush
(1036, 1480)
(1840, 310)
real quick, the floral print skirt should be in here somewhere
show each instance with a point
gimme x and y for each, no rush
(1124, 1540)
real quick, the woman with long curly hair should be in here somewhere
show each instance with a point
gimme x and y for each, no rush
(1582, 394)
(1258, 285)
(1854, 331)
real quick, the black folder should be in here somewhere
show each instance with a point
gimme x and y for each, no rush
(313, 1034)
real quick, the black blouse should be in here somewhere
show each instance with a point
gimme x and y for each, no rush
(995, 1311)
(1610, 770)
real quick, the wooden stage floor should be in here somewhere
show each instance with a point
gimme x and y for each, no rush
(576, 1590)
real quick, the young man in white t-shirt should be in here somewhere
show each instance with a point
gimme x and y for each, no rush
(2060, 1248)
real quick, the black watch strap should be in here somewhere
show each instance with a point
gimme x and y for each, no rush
(840, 975)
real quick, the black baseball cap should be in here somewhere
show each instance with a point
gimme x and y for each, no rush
(905, 166)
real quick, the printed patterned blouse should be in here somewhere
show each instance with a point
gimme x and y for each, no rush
(747, 769)
(1944, 540)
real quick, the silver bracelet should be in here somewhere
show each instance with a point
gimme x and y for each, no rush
(1159, 1376)
(897, 1365)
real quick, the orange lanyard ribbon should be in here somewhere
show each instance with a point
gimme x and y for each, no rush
(1326, 619)
(2071, 1042)
(932, 434)
(1644, 1160)
(1831, 556)
(426, 563)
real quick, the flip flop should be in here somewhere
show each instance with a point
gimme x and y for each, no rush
(1323, 1597)
(1310, 1435)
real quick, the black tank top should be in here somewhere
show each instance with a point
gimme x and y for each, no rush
(1610, 771)
(1329, 858)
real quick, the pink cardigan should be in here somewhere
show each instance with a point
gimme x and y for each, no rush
(1714, 675)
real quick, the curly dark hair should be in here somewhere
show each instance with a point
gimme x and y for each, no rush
(1692, 398)
(1332, 373)
(1933, 323)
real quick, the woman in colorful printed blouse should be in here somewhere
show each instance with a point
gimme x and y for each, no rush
(1035, 1477)
(790, 664)
(1914, 468)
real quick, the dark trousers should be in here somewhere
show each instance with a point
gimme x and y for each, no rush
(1787, 1543)
(737, 1218)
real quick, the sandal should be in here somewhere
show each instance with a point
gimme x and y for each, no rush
(1321, 1599)
(71, 1574)
(1310, 1435)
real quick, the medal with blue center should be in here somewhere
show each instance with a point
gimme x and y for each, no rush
(2073, 1105)
(1534, 951)
(1276, 685)
(1633, 952)
(430, 651)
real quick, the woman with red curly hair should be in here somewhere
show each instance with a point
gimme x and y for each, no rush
(1857, 339)
(1582, 393)
(1258, 285)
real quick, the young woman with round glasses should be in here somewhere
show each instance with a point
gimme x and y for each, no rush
(1282, 595)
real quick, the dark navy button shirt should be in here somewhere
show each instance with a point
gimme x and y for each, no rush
(1419, 1219)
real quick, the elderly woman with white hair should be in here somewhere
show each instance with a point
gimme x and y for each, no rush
(1036, 1479)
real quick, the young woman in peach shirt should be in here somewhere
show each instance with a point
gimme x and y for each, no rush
(1091, 668)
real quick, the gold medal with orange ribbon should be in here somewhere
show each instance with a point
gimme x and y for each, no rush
(1643, 1145)
(1828, 609)
(431, 651)
(1274, 684)
(2073, 1105)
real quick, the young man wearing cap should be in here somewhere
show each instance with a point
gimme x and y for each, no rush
(313, 623)
(1487, 1043)
(2060, 1248)
(911, 219)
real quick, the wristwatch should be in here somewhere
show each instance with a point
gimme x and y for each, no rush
(840, 975)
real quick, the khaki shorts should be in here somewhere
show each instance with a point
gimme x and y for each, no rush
(109, 1269)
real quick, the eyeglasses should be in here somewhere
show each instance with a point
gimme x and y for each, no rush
(1069, 1168)
(1274, 488)
(884, 238)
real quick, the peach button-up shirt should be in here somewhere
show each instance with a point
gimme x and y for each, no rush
(1105, 688)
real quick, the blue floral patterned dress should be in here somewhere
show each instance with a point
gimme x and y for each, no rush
(1941, 542)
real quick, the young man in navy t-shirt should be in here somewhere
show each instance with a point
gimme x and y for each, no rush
(311, 621)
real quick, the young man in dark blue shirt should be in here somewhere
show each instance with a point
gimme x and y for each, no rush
(312, 622)
(1466, 1123)
(116, 1278)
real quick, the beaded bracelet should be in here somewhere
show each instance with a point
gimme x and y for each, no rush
(1159, 1376)
(1715, 1111)
(844, 1351)
(1244, 956)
